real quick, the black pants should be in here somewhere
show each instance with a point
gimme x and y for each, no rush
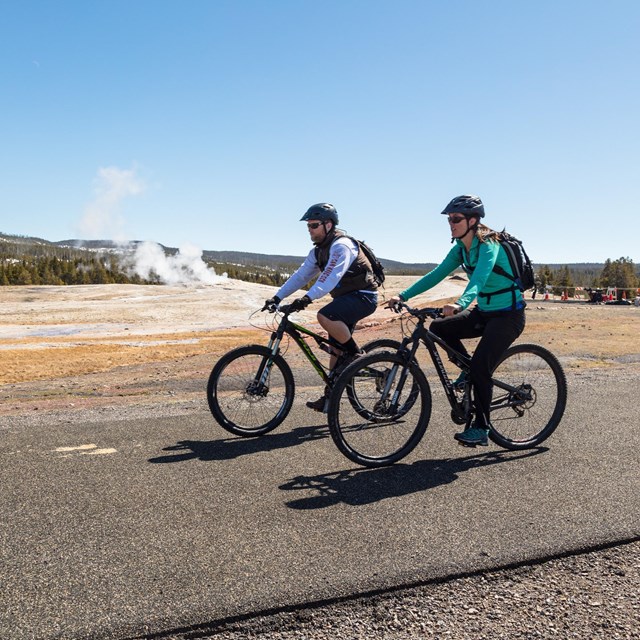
(498, 330)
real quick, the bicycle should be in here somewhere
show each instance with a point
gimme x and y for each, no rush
(530, 395)
(250, 390)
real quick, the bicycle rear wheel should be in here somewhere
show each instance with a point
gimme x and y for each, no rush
(529, 397)
(243, 398)
(396, 400)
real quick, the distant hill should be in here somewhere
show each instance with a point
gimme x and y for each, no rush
(573, 266)
(272, 261)
(393, 267)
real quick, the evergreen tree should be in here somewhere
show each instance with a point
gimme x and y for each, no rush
(564, 281)
(620, 273)
(544, 277)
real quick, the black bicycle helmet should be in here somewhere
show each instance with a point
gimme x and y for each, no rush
(470, 206)
(321, 211)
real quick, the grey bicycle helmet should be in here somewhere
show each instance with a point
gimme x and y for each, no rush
(321, 211)
(470, 206)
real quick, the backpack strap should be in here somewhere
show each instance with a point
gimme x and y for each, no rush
(500, 271)
(512, 288)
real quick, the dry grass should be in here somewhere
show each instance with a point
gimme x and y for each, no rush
(70, 357)
(587, 335)
(585, 332)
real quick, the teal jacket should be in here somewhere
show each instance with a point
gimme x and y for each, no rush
(483, 281)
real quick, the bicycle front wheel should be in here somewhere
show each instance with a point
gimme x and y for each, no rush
(383, 344)
(250, 392)
(392, 412)
(529, 397)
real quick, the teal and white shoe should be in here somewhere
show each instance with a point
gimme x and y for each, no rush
(460, 381)
(473, 437)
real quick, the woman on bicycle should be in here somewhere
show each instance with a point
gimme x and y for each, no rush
(498, 318)
(344, 272)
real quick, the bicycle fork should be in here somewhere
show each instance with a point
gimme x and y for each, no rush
(262, 376)
(389, 398)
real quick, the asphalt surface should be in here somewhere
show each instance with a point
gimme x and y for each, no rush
(116, 524)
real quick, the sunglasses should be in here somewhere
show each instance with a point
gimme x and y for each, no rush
(314, 225)
(456, 219)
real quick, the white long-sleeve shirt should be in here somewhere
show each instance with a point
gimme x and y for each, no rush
(341, 256)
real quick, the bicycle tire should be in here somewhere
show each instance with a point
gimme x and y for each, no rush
(385, 344)
(526, 414)
(389, 435)
(235, 400)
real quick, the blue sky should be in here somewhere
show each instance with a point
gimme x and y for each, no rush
(217, 123)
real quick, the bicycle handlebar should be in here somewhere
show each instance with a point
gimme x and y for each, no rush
(431, 312)
(284, 309)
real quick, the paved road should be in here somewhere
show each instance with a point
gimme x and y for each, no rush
(163, 521)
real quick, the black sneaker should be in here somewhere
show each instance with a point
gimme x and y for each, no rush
(318, 405)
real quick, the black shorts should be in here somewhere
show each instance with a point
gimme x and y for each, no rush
(351, 307)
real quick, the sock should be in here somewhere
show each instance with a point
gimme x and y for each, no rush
(350, 346)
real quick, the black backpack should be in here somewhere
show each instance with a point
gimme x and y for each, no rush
(523, 276)
(376, 265)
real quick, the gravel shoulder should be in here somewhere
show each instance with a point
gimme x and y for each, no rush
(588, 595)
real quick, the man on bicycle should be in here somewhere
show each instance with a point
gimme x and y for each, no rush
(344, 272)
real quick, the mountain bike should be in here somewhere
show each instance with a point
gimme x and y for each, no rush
(529, 396)
(251, 389)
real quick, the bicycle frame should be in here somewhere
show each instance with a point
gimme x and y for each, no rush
(297, 333)
(460, 408)
(423, 335)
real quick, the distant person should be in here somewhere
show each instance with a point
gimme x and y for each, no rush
(498, 318)
(344, 272)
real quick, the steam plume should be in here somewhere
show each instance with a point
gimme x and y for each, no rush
(186, 266)
(102, 217)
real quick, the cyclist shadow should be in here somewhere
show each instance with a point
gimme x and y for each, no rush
(364, 486)
(235, 447)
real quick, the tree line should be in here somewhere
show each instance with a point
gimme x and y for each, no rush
(55, 271)
(30, 261)
(105, 269)
(620, 274)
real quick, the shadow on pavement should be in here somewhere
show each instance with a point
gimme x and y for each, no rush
(229, 448)
(363, 486)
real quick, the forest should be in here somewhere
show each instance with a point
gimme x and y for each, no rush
(33, 261)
